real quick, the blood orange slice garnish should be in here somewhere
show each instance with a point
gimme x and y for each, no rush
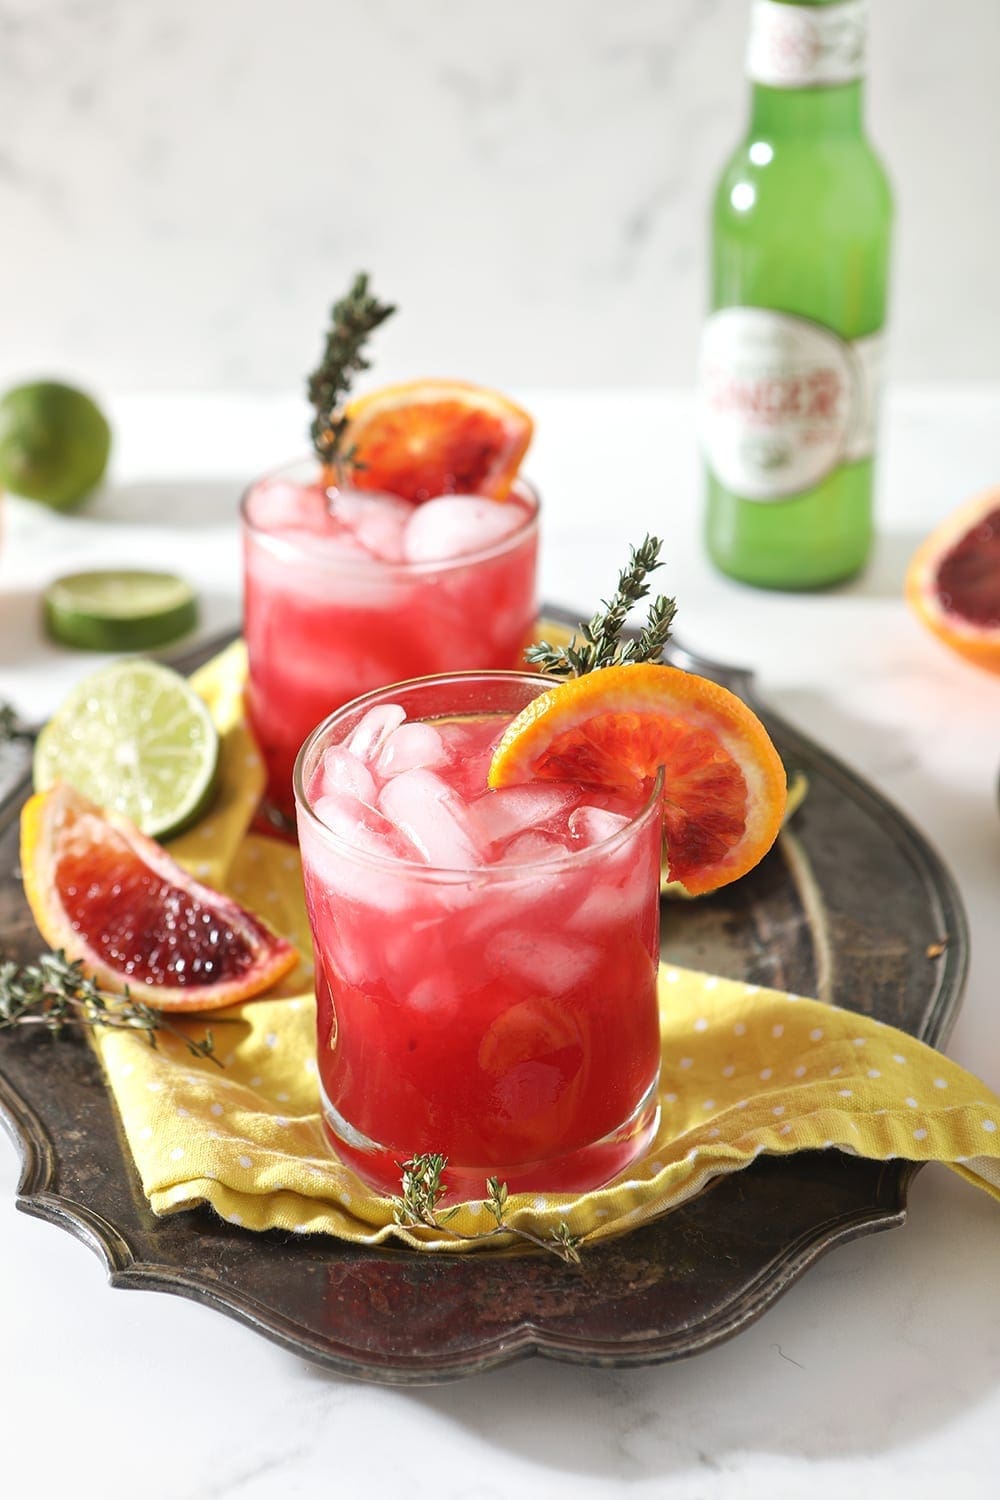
(953, 581)
(115, 900)
(436, 437)
(724, 784)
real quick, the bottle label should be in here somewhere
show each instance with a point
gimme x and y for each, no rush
(807, 46)
(784, 401)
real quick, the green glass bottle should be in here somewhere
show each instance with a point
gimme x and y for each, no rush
(790, 362)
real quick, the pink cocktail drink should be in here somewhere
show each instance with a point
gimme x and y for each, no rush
(345, 591)
(485, 960)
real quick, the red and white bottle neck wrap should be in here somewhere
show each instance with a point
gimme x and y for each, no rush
(784, 401)
(807, 46)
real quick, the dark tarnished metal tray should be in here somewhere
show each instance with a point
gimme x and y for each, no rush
(845, 908)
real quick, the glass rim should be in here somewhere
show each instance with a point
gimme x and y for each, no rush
(449, 874)
(371, 565)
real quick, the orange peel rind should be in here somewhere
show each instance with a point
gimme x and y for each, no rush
(113, 899)
(436, 437)
(941, 584)
(724, 786)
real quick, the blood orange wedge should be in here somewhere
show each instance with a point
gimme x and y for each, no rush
(112, 898)
(436, 437)
(953, 581)
(724, 784)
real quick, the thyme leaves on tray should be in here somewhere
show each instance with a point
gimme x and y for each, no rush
(55, 993)
(423, 1191)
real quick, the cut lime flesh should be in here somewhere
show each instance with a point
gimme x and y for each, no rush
(119, 609)
(135, 738)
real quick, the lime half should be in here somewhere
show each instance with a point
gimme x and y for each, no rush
(136, 739)
(54, 443)
(119, 610)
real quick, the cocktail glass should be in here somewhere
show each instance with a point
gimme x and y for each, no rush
(326, 620)
(502, 1013)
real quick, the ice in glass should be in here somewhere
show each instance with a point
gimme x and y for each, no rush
(485, 960)
(346, 590)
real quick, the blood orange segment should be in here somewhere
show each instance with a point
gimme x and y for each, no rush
(724, 785)
(953, 581)
(437, 437)
(109, 896)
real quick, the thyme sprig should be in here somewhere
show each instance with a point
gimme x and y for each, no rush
(422, 1192)
(55, 993)
(599, 642)
(11, 727)
(352, 320)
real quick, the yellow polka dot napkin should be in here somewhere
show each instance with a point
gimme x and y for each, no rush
(744, 1071)
(207, 849)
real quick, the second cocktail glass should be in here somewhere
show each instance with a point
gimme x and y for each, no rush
(347, 591)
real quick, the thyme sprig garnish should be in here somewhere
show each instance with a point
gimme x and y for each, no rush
(352, 320)
(55, 993)
(422, 1192)
(11, 727)
(599, 642)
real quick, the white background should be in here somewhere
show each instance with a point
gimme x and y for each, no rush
(185, 185)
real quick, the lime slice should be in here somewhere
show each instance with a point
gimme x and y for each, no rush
(119, 610)
(135, 738)
(54, 443)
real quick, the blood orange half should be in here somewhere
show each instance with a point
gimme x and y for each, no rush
(953, 581)
(437, 437)
(724, 784)
(112, 898)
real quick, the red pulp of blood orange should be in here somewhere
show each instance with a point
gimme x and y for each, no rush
(149, 929)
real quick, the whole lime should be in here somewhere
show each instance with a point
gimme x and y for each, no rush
(54, 443)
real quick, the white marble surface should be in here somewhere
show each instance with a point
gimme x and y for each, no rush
(879, 1373)
(184, 187)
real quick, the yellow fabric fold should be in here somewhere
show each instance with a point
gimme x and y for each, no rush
(745, 1071)
(207, 849)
